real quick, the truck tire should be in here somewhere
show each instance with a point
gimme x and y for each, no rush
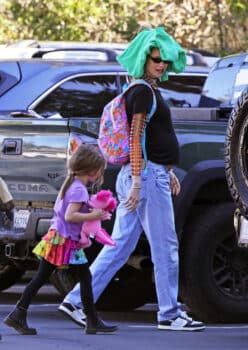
(214, 270)
(129, 289)
(236, 150)
(9, 275)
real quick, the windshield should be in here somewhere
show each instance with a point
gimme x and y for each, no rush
(240, 83)
(218, 88)
(225, 82)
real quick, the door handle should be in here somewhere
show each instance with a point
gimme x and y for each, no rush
(12, 146)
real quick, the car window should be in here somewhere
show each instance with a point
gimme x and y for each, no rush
(9, 76)
(182, 90)
(219, 86)
(241, 82)
(83, 96)
(229, 61)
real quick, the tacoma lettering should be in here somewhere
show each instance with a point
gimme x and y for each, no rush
(37, 188)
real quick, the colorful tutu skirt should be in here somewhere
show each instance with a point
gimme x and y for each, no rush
(60, 251)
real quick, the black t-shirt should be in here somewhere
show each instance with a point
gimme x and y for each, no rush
(161, 142)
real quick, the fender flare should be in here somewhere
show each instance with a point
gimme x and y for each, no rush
(200, 174)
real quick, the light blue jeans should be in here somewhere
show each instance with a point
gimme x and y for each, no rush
(155, 216)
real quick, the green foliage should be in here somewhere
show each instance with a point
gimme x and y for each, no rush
(240, 7)
(79, 20)
(217, 25)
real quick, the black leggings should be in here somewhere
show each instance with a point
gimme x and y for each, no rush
(44, 272)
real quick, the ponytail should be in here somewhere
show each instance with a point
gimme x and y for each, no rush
(67, 183)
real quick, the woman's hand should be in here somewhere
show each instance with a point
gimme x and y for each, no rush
(174, 183)
(133, 198)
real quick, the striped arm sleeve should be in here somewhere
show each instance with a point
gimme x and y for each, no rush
(137, 128)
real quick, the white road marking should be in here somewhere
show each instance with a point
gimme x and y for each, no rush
(207, 327)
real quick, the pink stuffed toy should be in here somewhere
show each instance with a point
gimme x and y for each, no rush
(101, 200)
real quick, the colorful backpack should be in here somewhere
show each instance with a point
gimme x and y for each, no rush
(113, 138)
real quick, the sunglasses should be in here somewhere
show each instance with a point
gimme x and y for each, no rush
(158, 60)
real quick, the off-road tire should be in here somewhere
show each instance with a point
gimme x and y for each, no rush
(214, 271)
(236, 153)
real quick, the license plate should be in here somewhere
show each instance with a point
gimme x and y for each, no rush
(21, 218)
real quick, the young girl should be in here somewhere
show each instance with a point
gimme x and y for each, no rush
(60, 247)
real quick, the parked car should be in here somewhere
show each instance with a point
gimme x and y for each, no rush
(70, 49)
(80, 53)
(225, 93)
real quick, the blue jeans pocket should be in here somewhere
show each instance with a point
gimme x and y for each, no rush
(162, 179)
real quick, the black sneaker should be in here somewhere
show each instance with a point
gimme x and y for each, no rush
(181, 323)
(74, 312)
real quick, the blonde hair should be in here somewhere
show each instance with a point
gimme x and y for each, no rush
(85, 160)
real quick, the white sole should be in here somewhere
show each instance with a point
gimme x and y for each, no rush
(69, 314)
(169, 328)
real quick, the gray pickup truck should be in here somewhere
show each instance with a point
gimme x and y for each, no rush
(35, 144)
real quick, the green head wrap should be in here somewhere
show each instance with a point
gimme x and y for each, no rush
(134, 56)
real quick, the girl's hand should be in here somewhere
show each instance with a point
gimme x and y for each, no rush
(174, 183)
(107, 215)
(133, 198)
(74, 215)
(97, 214)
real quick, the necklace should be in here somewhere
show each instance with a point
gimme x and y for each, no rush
(152, 81)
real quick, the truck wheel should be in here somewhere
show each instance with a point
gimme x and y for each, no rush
(129, 289)
(9, 275)
(236, 153)
(214, 270)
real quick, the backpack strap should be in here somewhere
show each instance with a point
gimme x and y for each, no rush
(148, 116)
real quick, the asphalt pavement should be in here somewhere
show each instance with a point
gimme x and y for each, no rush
(137, 329)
